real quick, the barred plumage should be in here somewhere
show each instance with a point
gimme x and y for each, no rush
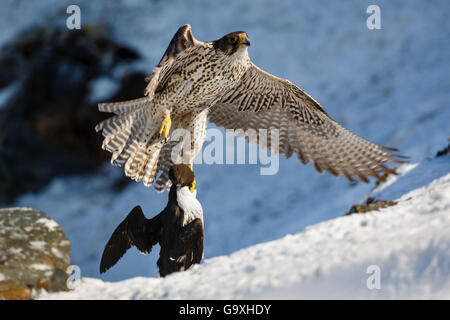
(216, 80)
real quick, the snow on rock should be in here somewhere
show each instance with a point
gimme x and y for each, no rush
(28, 263)
(408, 244)
(51, 225)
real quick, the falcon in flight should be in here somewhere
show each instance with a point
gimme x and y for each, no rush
(216, 80)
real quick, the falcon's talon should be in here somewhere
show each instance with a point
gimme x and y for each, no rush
(192, 188)
(165, 127)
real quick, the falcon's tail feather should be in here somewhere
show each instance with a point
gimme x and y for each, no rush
(123, 106)
(163, 181)
(171, 154)
(132, 138)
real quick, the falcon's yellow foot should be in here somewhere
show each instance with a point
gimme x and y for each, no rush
(192, 188)
(165, 127)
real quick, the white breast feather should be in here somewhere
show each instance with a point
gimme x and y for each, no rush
(188, 202)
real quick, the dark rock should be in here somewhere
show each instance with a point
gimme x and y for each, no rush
(370, 205)
(47, 126)
(444, 152)
(382, 178)
(34, 254)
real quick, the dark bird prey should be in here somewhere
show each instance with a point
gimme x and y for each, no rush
(178, 228)
(215, 80)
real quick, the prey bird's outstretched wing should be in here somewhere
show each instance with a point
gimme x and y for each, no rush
(263, 101)
(135, 230)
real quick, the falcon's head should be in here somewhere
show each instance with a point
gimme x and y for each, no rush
(232, 42)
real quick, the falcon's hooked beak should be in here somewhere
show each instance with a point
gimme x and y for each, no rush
(243, 40)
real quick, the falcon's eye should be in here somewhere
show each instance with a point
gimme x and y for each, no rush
(232, 39)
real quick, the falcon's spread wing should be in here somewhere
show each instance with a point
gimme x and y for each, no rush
(263, 101)
(132, 135)
(182, 40)
(135, 230)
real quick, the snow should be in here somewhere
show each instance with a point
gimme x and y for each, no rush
(41, 266)
(57, 253)
(390, 86)
(15, 251)
(408, 243)
(40, 245)
(16, 209)
(50, 224)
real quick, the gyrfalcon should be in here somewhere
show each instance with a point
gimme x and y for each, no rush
(216, 80)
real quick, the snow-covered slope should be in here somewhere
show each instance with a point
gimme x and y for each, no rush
(390, 86)
(409, 244)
